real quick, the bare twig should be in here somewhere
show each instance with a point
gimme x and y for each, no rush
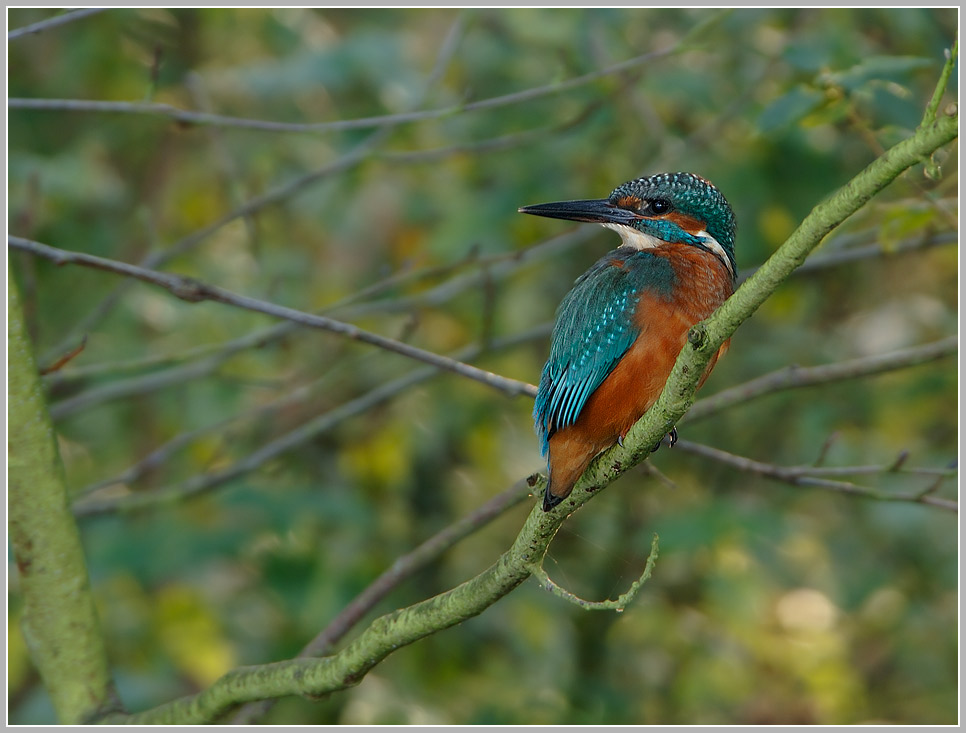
(195, 85)
(932, 109)
(206, 482)
(185, 244)
(353, 157)
(805, 476)
(195, 291)
(254, 339)
(48, 23)
(932, 487)
(380, 121)
(406, 565)
(143, 384)
(618, 604)
(845, 255)
(502, 142)
(160, 455)
(795, 376)
(64, 359)
(495, 267)
(826, 447)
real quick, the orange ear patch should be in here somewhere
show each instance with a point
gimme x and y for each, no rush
(687, 223)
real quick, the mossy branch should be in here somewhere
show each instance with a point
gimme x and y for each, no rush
(314, 677)
(59, 619)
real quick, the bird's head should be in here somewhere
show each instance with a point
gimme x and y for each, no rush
(673, 208)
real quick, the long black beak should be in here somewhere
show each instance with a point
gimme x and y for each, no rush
(599, 211)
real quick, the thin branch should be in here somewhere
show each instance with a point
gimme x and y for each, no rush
(806, 476)
(195, 291)
(140, 385)
(407, 565)
(495, 267)
(932, 109)
(402, 569)
(499, 266)
(355, 156)
(437, 296)
(228, 168)
(63, 360)
(56, 380)
(875, 250)
(258, 338)
(160, 455)
(203, 483)
(502, 142)
(796, 376)
(201, 118)
(618, 604)
(826, 447)
(47, 24)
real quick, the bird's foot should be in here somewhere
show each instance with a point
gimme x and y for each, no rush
(672, 438)
(551, 500)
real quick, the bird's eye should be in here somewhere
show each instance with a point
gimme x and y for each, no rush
(660, 206)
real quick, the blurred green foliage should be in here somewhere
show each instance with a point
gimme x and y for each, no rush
(769, 604)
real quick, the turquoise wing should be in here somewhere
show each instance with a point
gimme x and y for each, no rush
(593, 331)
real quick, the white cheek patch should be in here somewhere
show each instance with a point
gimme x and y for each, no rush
(638, 240)
(715, 246)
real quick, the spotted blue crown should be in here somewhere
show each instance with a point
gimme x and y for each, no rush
(688, 194)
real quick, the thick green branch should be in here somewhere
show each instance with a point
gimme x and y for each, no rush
(59, 620)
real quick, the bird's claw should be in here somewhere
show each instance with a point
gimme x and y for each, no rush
(672, 438)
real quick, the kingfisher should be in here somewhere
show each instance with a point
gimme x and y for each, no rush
(620, 329)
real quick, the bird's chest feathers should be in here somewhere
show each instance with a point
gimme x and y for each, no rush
(673, 281)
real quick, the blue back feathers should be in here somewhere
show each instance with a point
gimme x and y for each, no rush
(594, 329)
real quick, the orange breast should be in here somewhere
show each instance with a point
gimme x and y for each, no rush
(637, 380)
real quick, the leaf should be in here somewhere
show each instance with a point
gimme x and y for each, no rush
(878, 67)
(790, 108)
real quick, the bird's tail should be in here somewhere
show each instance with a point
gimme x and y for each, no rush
(568, 459)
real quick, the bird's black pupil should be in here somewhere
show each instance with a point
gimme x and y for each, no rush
(660, 207)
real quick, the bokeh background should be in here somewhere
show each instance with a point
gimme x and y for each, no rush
(770, 603)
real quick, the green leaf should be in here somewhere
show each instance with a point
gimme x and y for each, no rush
(790, 108)
(878, 67)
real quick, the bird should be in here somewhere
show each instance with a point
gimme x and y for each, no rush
(619, 330)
